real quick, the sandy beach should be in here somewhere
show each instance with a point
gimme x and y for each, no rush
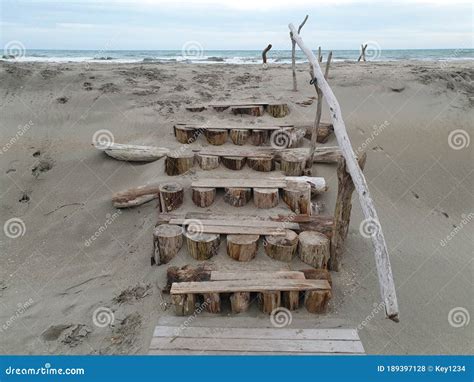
(413, 118)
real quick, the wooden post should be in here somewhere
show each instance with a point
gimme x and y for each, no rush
(342, 213)
(298, 198)
(167, 241)
(313, 249)
(203, 196)
(279, 110)
(185, 135)
(362, 52)
(242, 247)
(212, 302)
(293, 53)
(258, 137)
(382, 259)
(184, 304)
(269, 301)
(281, 248)
(264, 53)
(290, 300)
(266, 197)
(319, 110)
(316, 301)
(292, 164)
(178, 162)
(171, 196)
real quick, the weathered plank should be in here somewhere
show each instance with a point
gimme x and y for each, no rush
(255, 275)
(236, 221)
(248, 286)
(256, 345)
(259, 333)
(235, 230)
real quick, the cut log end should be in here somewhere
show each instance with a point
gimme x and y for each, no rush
(298, 198)
(242, 247)
(258, 137)
(233, 163)
(167, 241)
(171, 196)
(203, 196)
(216, 137)
(178, 162)
(185, 135)
(313, 249)
(266, 197)
(281, 248)
(239, 136)
(278, 110)
(202, 246)
(292, 164)
(208, 162)
(265, 164)
(237, 196)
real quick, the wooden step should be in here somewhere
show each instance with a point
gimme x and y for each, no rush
(240, 222)
(229, 286)
(256, 275)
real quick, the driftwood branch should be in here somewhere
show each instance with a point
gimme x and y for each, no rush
(319, 110)
(362, 53)
(264, 53)
(293, 52)
(382, 260)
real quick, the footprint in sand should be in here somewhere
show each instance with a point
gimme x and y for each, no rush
(44, 165)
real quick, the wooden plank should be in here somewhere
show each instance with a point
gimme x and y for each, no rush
(230, 127)
(248, 286)
(235, 230)
(243, 182)
(256, 345)
(257, 333)
(255, 275)
(235, 221)
(382, 259)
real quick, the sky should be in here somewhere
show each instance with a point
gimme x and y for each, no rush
(235, 24)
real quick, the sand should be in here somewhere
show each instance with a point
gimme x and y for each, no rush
(53, 285)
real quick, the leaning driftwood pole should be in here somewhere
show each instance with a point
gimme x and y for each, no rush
(293, 52)
(362, 53)
(319, 110)
(382, 260)
(264, 53)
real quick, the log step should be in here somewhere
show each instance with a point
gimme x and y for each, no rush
(272, 293)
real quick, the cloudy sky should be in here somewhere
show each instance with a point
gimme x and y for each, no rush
(235, 24)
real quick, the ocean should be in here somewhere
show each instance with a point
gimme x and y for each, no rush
(196, 55)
